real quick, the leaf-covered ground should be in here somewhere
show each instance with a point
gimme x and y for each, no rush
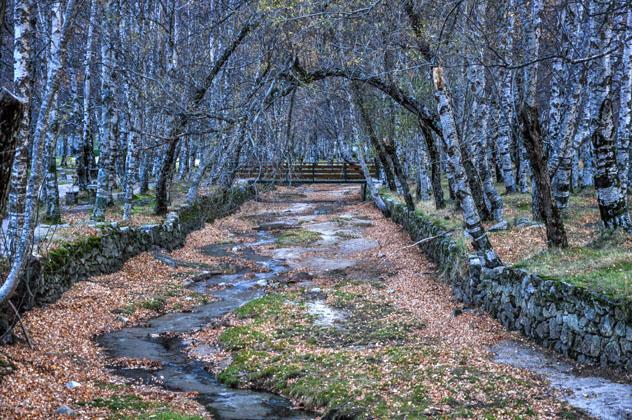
(33, 381)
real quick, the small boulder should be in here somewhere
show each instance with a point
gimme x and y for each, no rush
(64, 410)
(73, 385)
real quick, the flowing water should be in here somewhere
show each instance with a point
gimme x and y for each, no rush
(600, 397)
(159, 340)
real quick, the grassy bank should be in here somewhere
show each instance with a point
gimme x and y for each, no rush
(372, 361)
(597, 260)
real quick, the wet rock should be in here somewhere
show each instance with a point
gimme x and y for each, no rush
(600, 397)
(64, 410)
(358, 245)
(281, 225)
(606, 326)
(72, 384)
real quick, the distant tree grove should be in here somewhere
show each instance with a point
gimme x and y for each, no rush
(468, 99)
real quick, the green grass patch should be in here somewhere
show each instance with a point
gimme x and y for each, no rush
(129, 406)
(156, 304)
(236, 338)
(605, 265)
(298, 237)
(119, 403)
(266, 306)
(371, 364)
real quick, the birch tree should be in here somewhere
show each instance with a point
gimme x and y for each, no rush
(53, 77)
(473, 225)
(22, 79)
(85, 146)
(624, 126)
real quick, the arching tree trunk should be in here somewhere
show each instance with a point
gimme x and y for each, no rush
(378, 147)
(166, 169)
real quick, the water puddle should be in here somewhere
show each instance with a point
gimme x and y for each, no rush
(599, 397)
(325, 315)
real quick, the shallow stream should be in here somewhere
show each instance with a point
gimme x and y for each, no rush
(159, 341)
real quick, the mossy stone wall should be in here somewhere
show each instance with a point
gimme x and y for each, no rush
(47, 278)
(583, 325)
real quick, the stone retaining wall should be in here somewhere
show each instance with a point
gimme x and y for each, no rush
(583, 325)
(48, 277)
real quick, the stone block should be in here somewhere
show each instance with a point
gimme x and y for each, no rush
(606, 327)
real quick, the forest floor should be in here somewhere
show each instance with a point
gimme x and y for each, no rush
(356, 323)
(362, 327)
(595, 259)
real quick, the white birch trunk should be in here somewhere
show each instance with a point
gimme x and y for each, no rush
(568, 141)
(54, 72)
(507, 104)
(53, 212)
(473, 225)
(22, 79)
(624, 128)
(107, 118)
(85, 147)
